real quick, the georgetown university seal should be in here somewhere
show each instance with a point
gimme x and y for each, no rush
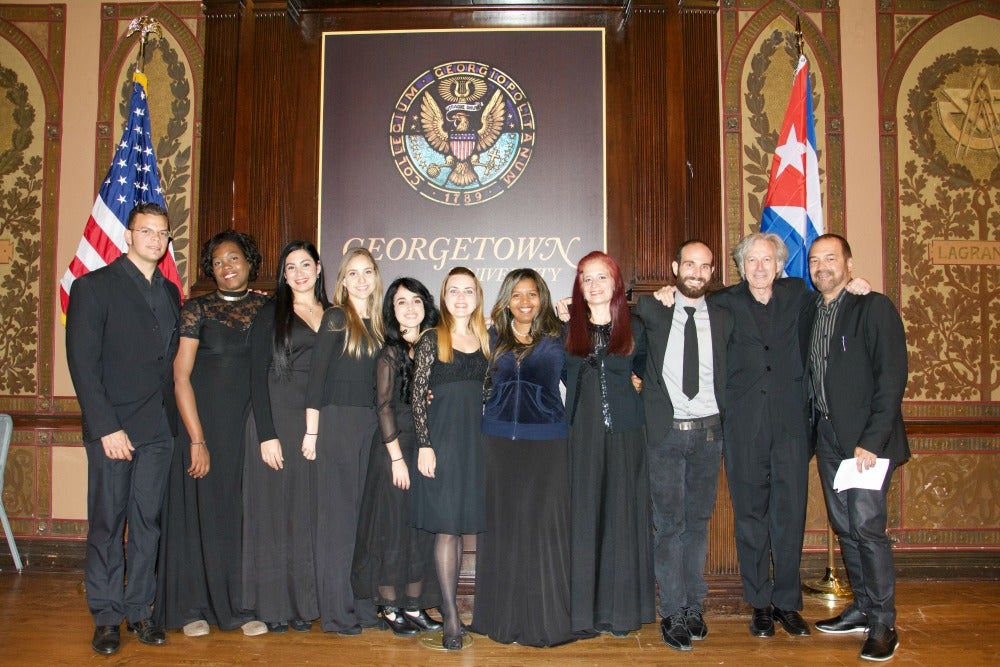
(462, 133)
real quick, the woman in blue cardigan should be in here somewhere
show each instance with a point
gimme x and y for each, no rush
(522, 566)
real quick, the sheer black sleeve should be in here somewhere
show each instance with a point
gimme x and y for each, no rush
(425, 356)
(329, 344)
(191, 317)
(385, 389)
(261, 333)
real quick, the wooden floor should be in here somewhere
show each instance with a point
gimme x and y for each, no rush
(44, 621)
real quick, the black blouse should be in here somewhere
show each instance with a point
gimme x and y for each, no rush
(337, 378)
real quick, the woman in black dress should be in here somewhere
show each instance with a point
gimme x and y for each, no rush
(340, 424)
(612, 587)
(394, 562)
(199, 581)
(448, 500)
(523, 557)
(279, 494)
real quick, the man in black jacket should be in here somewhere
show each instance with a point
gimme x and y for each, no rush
(683, 395)
(121, 337)
(856, 349)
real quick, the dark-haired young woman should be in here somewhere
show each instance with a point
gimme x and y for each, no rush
(198, 574)
(279, 519)
(394, 562)
(612, 587)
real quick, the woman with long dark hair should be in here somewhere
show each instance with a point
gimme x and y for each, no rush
(199, 581)
(612, 587)
(523, 557)
(279, 526)
(340, 424)
(451, 360)
(394, 562)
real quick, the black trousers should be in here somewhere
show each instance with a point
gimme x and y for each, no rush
(858, 516)
(121, 492)
(769, 486)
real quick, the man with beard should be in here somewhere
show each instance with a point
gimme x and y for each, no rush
(857, 365)
(683, 392)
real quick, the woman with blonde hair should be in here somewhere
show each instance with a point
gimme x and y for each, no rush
(340, 423)
(448, 494)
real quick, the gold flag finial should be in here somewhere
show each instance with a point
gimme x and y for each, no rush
(798, 35)
(143, 25)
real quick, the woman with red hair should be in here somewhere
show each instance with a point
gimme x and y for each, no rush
(612, 587)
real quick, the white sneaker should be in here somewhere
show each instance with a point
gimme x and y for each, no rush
(254, 628)
(196, 629)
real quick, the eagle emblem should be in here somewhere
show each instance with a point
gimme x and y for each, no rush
(462, 133)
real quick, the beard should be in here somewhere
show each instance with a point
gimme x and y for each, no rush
(692, 290)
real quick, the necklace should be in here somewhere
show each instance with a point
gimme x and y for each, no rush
(518, 333)
(311, 308)
(233, 296)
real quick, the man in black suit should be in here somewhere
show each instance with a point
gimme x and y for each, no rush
(121, 337)
(683, 396)
(766, 445)
(857, 374)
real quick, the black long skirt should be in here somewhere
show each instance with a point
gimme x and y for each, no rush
(523, 558)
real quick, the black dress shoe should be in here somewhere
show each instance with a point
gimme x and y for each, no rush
(298, 625)
(881, 643)
(849, 620)
(675, 633)
(695, 623)
(762, 623)
(452, 642)
(397, 622)
(107, 639)
(148, 632)
(278, 628)
(419, 619)
(792, 622)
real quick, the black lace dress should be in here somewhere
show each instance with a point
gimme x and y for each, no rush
(452, 502)
(199, 575)
(279, 517)
(393, 562)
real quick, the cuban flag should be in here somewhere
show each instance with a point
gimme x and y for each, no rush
(792, 207)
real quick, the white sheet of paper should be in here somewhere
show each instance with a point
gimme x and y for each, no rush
(848, 477)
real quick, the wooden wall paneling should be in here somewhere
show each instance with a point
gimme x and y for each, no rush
(658, 144)
(223, 20)
(703, 204)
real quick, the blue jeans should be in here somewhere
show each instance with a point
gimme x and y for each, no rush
(683, 478)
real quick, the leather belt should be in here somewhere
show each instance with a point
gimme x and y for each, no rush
(694, 424)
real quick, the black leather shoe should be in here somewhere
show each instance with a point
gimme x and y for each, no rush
(107, 639)
(299, 625)
(792, 622)
(419, 619)
(675, 633)
(881, 643)
(695, 623)
(397, 622)
(452, 642)
(849, 620)
(278, 628)
(148, 632)
(762, 623)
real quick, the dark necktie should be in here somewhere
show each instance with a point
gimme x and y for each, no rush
(689, 381)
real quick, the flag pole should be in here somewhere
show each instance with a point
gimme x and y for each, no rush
(798, 34)
(143, 25)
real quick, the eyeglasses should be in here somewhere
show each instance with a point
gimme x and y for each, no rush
(147, 233)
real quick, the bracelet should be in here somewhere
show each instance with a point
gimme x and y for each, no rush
(399, 459)
(312, 433)
(198, 442)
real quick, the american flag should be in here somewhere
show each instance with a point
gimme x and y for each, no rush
(132, 179)
(792, 207)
